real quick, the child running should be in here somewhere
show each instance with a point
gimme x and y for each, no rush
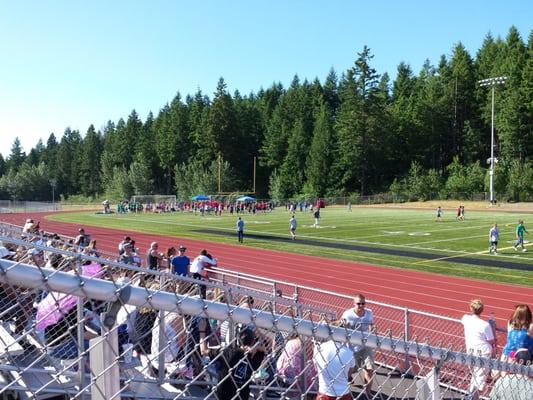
(494, 235)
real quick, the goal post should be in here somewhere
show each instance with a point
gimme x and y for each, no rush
(153, 198)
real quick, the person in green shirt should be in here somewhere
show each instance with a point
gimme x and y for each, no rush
(520, 231)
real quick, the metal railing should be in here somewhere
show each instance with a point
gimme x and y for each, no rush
(41, 354)
(173, 364)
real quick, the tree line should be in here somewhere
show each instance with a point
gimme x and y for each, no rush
(354, 133)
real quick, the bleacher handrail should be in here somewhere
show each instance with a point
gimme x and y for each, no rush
(19, 274)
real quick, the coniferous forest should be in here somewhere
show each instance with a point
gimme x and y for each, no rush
(352, 132)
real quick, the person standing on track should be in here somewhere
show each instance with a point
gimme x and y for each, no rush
(361, 319)
(292, 227)
(240, 230)
(494, 235)
(520, 231)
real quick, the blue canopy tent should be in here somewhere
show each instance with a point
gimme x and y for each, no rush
(246, 199)
(200, 197)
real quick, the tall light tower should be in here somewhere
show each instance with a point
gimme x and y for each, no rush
(492, 82)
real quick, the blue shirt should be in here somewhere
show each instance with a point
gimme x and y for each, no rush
(240, 225)
(180, 265)
(515, 340)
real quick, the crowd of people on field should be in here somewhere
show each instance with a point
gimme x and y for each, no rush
(197, 344)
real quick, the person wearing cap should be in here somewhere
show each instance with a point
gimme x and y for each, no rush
(180, 263)
(122, 243)
(82, 239)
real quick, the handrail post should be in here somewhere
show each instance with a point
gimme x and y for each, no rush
(406, 334)
(274, 295)
(161, 343)
(80, 332)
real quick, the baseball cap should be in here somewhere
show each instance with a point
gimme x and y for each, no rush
(182, 247)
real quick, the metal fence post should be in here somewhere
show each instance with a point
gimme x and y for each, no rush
(80, 331)
(274, 295)
(428, 387)
(406, 334)
(161, 342)
(104, 365)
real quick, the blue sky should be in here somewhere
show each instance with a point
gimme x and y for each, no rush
(72, 63)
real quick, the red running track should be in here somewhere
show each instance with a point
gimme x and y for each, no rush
(429, 292)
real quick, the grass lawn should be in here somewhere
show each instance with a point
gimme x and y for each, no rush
(376, 228)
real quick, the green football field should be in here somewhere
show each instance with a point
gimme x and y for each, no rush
(392, 237)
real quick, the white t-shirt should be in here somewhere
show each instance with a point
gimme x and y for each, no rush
(478, 333)
(333, 361)
(197, 265)
(292, 224)
(494, 234)
(362, 324)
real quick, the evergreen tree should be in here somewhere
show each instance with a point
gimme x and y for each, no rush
(108, 160)
(331, 92)
(89, 167)
(49, 155)
(16, 157)
(320, 160)
(358, 124)
(526, 96)
(511, 124)
(2, 165)
(68, 154)
(292, 172)
(140, 176)
(222, 136)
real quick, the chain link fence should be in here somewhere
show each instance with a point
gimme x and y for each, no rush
(77, 326)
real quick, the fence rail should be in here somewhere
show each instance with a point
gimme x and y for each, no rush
(94, 327)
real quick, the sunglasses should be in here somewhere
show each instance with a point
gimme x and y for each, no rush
(360, 304)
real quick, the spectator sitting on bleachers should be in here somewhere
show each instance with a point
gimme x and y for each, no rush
(238, 363)
(91, 249)
(514, 386)
(196, 343)
(127, 256)
(123, 243)
(143, 323)
(290, 363)
(83, 239)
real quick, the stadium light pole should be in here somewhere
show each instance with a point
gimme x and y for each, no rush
(53, 184)
(492, 82)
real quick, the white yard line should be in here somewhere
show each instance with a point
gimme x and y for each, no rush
(458, 253)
